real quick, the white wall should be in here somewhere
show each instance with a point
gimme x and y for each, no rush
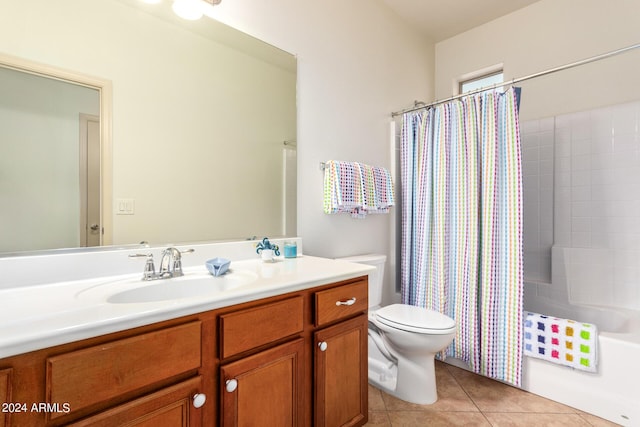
(357, 62)
(548, 34)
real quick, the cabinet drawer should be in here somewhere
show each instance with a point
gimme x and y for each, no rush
(171, 406)
(337, 303)
(250, 328)
(86, 377)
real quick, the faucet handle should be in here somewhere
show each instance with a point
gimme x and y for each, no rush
(177, 261)
(171, 262)
(149, 266)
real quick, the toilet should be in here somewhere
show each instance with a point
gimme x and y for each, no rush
(403, 341)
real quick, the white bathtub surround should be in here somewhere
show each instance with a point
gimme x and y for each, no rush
(537, 138)
(68, 300)
(602, 222)
(607, 319)
(582, 250)
(594, 216)
(603, 276)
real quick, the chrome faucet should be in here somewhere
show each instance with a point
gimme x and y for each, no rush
(170, 264)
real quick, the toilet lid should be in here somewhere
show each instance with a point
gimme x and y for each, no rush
(416, 319)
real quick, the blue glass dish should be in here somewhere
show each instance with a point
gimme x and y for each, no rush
(218, 266)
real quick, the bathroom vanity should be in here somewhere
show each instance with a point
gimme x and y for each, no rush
(289, 348)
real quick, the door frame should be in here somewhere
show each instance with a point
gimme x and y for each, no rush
(105, 93)
(85, 174)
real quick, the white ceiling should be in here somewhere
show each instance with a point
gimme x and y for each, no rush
(441, 19)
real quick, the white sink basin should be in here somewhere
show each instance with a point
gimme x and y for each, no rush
(193, 284)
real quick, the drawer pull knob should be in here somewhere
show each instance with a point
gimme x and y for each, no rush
(347, 302)
(232, 385)
(199, 399)
(322, 345)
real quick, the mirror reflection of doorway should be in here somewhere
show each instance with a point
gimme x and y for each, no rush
(90, 224)
(290, 188)
(40, 184)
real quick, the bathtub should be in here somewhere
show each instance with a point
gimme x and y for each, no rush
(613, 392)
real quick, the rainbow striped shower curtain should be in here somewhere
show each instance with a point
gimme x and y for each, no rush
(462, 225)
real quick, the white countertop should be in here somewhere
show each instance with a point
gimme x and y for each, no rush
(40, 316)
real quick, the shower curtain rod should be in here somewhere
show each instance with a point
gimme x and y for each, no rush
(513, 81)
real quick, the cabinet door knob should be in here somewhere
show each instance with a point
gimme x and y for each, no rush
(232, 385)
(322, 345)
(199, 399)
(347, 302)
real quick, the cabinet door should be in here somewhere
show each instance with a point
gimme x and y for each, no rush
(264, 389)
(341, 374)
(170, 407)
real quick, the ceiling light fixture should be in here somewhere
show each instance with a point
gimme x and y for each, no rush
(192, 9)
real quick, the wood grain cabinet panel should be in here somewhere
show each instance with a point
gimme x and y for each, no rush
(169, 407)
(5, 396)
(341, 374)
(92, 375)
(267, 388)
(250, 328)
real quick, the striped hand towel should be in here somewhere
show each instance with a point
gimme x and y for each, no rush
(356, 188)
(561, 341)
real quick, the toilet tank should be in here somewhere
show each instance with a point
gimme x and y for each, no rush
(376, 277)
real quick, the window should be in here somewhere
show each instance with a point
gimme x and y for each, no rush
(482, 81)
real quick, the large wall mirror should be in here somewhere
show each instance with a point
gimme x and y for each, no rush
(195, 126)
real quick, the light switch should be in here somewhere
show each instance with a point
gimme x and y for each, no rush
(125, 206)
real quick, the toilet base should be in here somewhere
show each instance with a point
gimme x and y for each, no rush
(412, 381)
(383, 373)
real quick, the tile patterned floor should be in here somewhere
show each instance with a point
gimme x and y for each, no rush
(467, 399)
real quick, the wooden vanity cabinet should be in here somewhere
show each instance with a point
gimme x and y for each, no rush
(341, 378)
(315, 371)
(145, 376)
(261, 383)
(298, 359)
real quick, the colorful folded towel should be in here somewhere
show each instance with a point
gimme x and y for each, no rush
(563, 341)
(356, 188)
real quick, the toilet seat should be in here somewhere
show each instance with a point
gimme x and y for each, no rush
(415, 319)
